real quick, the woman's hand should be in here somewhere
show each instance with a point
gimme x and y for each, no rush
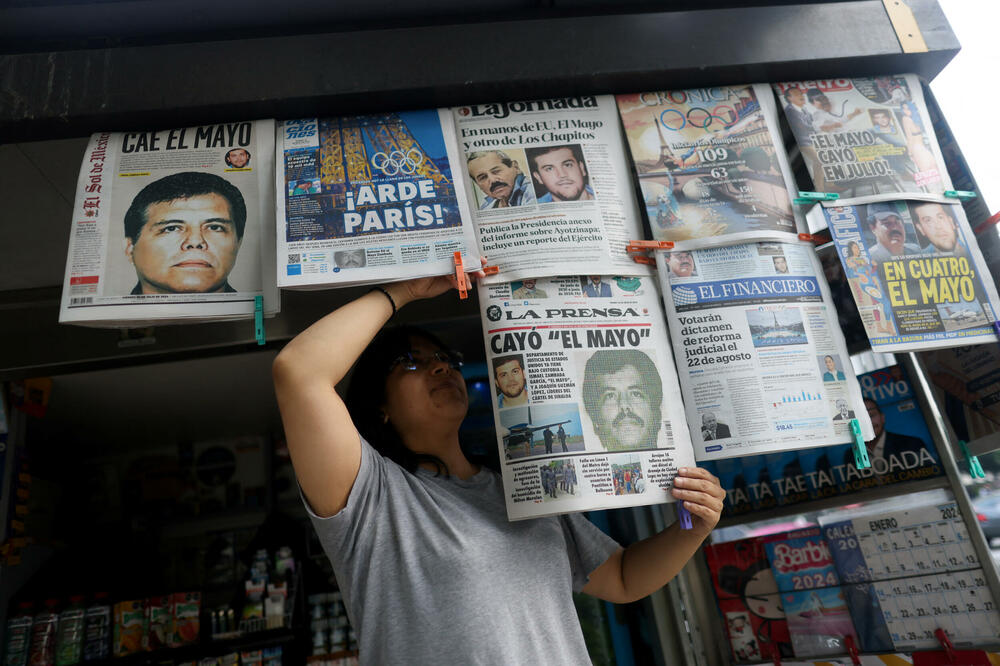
(428, 287)
(702, 496)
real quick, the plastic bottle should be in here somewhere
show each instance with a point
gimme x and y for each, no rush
(18, 636)
(97, 629)
(43, 635)
(69, 639)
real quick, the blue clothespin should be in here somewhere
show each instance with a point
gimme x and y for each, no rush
(684, 516)
(806, 198)
(996, 327)
(258, 320)
(860, 450)
(975, 469)
(960, 194)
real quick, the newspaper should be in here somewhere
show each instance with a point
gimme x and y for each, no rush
(916, 273)
(966, 382)
(711, 164)
(763, 366)
(550, 186)
(374, 198)
(867, 139)
(172, 227)
(585, 394)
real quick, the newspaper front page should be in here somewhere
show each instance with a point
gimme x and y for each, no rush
(374, 198)
(762, 364)
(711, 164)
(585, 394)
(172, 227)
(916, 274)
(550, 186)
(866, 139)
(966, 382)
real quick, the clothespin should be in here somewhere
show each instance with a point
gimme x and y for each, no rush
(975, 469)
(962, 195)
(646, 246)
(643, 259)
(258, 320)
(491, 270)
(945, 642)
(852, 650)
(806, 198)
(996, 327)
(684, 517)
(463, 293)
(860, 451)
(809, 238)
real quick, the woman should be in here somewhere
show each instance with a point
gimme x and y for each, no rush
(916, 144)
(430, 568)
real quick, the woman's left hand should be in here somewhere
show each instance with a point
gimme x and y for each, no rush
(702, 496)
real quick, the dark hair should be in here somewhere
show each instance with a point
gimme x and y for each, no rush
(535, 153)
(733, 579)
(609, 361)
(813, 93)
(184, 185)
(500, 360)
(366, 395)
(788, 91)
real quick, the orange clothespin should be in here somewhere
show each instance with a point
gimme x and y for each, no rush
(491, 270)
(643, 259)
(852, 650)
(463, 293)
(811, 239)
(646, 246)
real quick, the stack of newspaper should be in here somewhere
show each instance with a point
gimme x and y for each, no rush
(173, 227)
(590, 408)
(913, 265)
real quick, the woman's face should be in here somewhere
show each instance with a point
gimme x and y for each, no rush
(429, 396)
(855, 250)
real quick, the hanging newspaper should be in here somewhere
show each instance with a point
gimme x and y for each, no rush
(763, 366)
(586, 400)
(711, 164)
(916, 273)
(551, 187)
(867, 139)
(966, 382)
(373, 198)
(172, 227)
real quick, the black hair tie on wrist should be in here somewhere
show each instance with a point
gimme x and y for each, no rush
(391, 302)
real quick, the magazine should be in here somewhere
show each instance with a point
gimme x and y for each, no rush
(550, 187)
(916, 273)
(370, 199)
(172, 227)
(711, 164)
(866, 139)
(749, 600)
(585, 395)
(966, 383)
(762, 364)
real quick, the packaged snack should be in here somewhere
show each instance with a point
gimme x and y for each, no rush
(18, 636)
(69, 638)
(158, 620)
(97, 629)
(43, 636)
(185, 610)
(130, 627)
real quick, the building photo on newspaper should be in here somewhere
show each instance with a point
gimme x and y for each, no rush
(585, 395)
(762, 364)
(550, 186)
(372, 198)
(173, 226)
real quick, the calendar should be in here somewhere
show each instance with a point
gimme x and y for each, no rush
(913, 570)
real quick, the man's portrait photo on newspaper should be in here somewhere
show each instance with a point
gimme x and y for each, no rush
(622, 395)
(182, 234)
(511, 381)
(499, 180)
(560, 173)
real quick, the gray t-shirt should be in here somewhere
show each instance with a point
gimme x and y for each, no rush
(432, 572)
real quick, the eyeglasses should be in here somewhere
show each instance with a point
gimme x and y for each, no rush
(411, 361)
